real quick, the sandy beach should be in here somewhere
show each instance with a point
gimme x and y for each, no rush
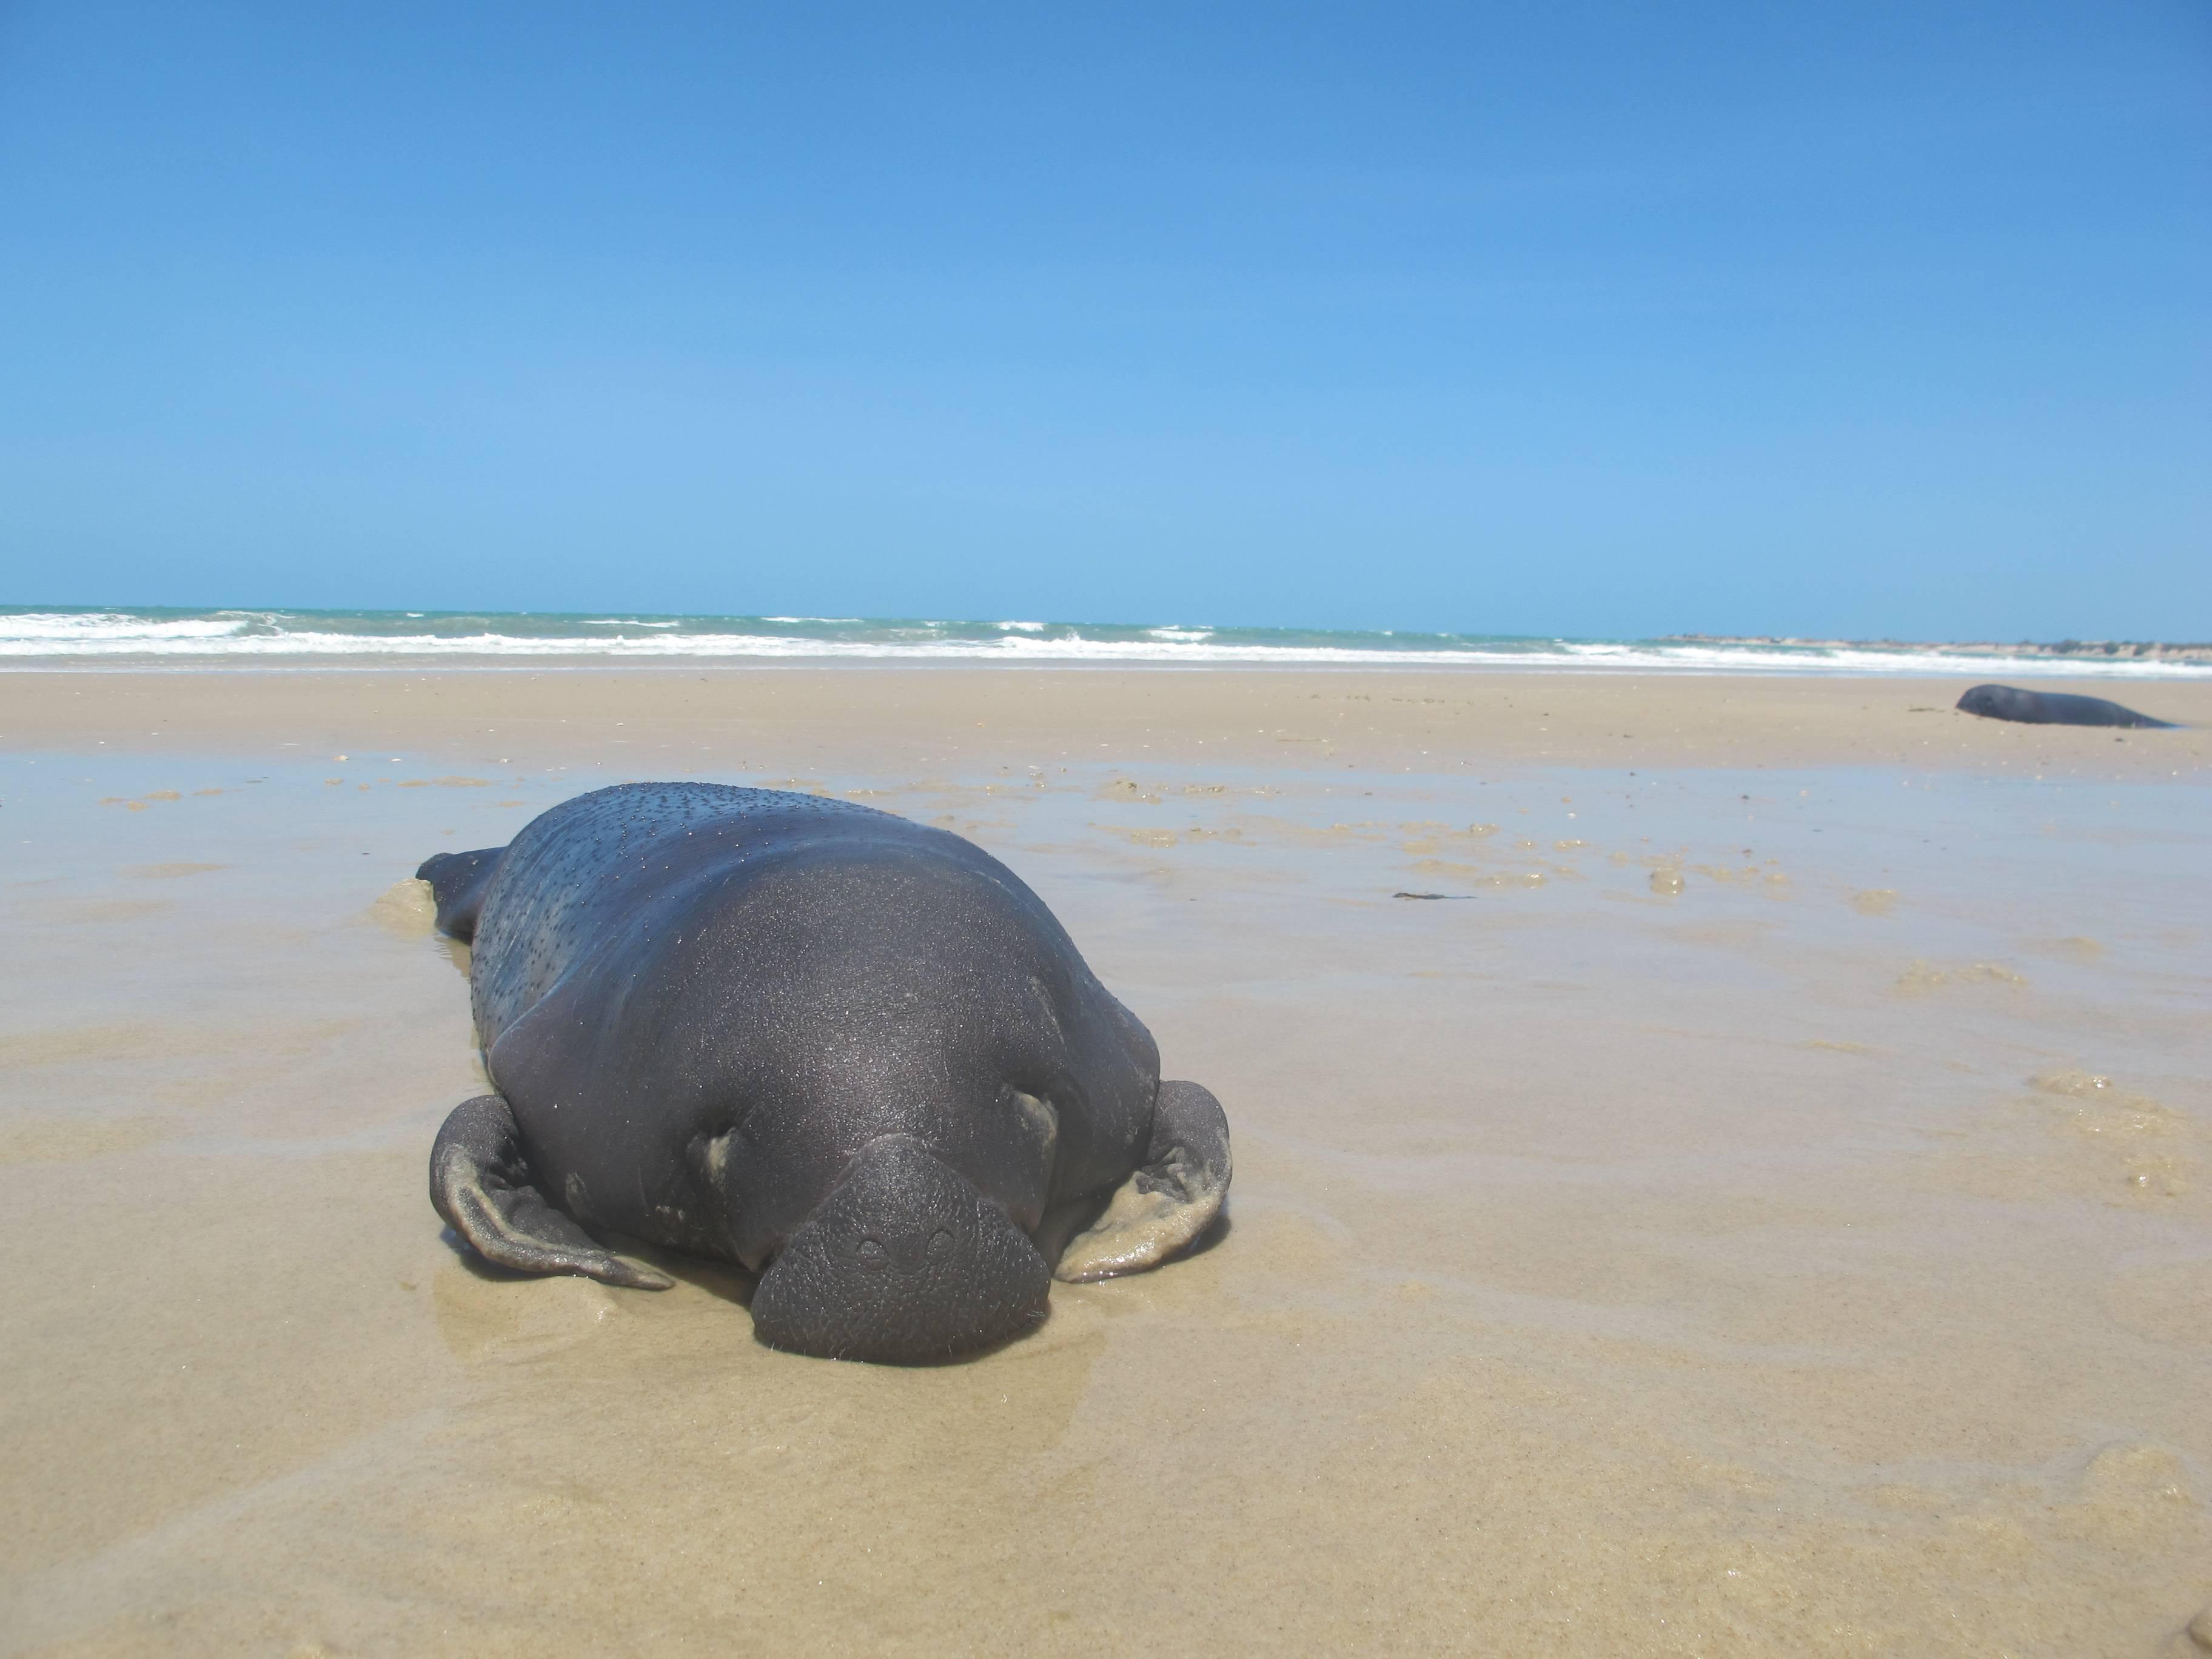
(1724, 1166)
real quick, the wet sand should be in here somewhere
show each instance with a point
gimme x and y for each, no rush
(1761, 1203)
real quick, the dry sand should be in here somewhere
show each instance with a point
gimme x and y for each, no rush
(788, 718)
(1764, 1205)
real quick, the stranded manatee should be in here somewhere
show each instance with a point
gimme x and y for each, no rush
(2005, 703)
(852, 1054)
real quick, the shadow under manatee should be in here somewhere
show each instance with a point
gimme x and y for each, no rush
(724, 1280)
(937, 1362)
(731, 1283)
(1217, 1232)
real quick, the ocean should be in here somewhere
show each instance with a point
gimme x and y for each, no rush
(57, 637)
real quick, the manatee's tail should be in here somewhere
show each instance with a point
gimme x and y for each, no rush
(458, 881)
(904, 1261)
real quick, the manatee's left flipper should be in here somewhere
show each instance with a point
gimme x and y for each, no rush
(482, 1186)
(1158, 1211)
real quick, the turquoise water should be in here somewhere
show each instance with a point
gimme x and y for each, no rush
(60, 637)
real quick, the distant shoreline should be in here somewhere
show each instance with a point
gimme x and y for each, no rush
(2072, 650)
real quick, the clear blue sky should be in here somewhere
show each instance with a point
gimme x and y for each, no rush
(1584, 318)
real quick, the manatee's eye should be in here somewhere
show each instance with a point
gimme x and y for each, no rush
(940, 1245)
(871, 1252)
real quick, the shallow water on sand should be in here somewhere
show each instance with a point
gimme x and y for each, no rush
(1743, 1212)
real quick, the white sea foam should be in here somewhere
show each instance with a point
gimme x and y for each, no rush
(24, 633)
(67, 638)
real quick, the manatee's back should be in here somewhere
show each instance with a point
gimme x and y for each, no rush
(2067, 709)
(576, 871)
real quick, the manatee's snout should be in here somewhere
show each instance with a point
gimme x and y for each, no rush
(905, 1261)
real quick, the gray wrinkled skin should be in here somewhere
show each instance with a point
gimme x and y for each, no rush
(2005, 703)
(854, 1055)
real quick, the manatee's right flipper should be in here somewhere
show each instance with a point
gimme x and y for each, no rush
(458, 881)
(482, 1186)
(1160, 1210)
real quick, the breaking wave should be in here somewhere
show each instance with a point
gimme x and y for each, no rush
(83, 638)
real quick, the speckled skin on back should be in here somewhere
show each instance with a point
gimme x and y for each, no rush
(590, 858)
(700, 1003)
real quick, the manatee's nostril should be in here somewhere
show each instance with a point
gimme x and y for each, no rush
(940, 1245)
(871, 1252)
